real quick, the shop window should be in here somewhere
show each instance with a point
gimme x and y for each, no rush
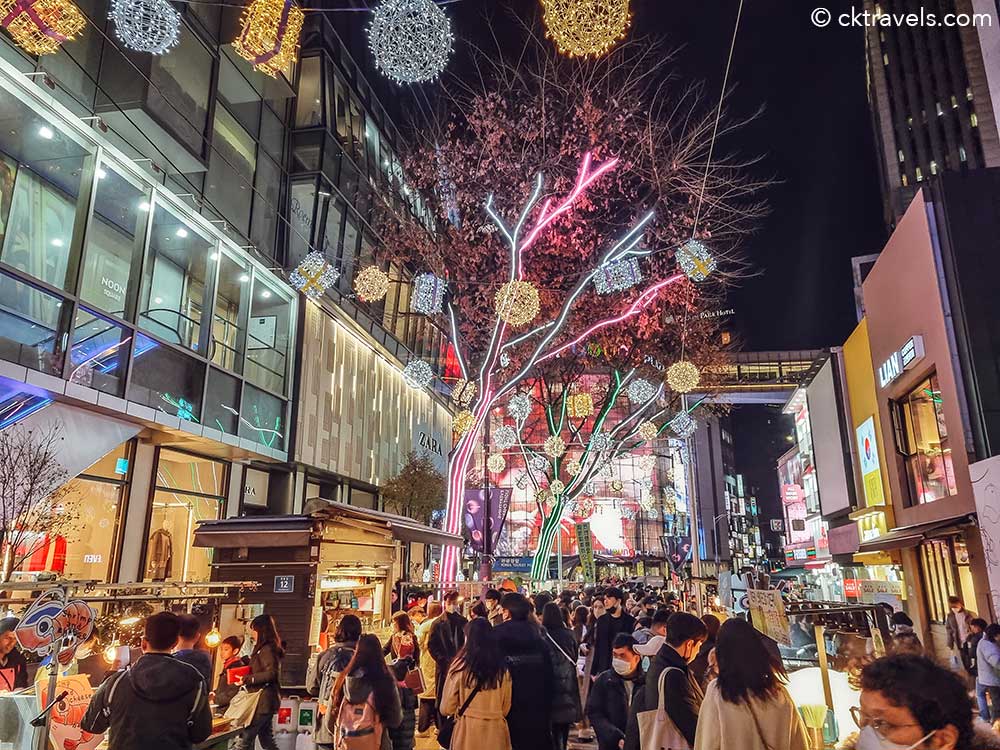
(181, 88)
(165, 380)
(349, 253)
(301, 221)
(41, 170)
(272, 133)
(239, 96)
(334, 223)
(99, 352)
(265, 205)
(121, 206)
(267, 336)
(229, 316)
(263, 418)
(229, 184)
(222, 402)
(340, 99)
(309, 102)
(922, 438)
(173, 285)
(939, 577)
(30, 326)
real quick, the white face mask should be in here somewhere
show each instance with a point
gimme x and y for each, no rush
(621, 666)
(869, 739)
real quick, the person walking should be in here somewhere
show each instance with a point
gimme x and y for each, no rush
(529, 662)
(404, 736)
(613, 692)
(615, 620)
(329, 665)
(958, 625)
(427, 709)
(566, 707)
(477, 692)
(446, 638)
(699, 667)
(189, 647)
(492, 600)
(403, 641)
(747, 705)
(159, 703)
(365, 700)
(264, 678)
(988, 677)
(229, 654)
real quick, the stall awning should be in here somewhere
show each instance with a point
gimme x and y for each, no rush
(268, 531)
(903, 537)
(402, 528)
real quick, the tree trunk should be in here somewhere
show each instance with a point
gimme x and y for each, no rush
(551, 525)
(6, 557)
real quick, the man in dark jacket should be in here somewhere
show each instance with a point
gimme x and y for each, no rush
(531, 672)
(615, 620)
(446, 638)
(188, 650)
(158, 704)
(613, 693)
(493, 611)
(13, 667)
(681, 691)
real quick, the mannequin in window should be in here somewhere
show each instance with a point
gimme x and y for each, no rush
(160, 553)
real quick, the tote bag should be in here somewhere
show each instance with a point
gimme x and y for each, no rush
(242, 708)
(656, 730)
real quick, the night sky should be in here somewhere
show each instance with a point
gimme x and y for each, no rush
(814, 135)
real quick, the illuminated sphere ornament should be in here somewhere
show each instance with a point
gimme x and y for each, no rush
(580, 405)
(463, 392)
(554, 446)
(496, 463)
(683, 425)
(695, 260)
(640, 391)
(371, 284)
(585, 507)
(517, 303)
(418, 374)
(146, 25)
(582, 28)
(617, 485)
(601, 441)
(683, 376)
(504, 359)
(573, 468)
(647, 463)
(519, 406)
(556, 487)
(39, 27)
(428, 294)
(269, 39)
(463, 422)
(410, 39)
(314, 275)
(538, 463)
(648, 431)
(504, 437)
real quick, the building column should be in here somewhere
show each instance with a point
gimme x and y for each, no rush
(137, 513)
(235, 494)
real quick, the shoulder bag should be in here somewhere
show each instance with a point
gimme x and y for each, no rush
(448, 722)
(657, 730)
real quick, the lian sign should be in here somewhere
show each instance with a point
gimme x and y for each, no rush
(907, 356)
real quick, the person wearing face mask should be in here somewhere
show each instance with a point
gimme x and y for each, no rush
(615, 620)
(909, 702)
(613, 693)
(682, 693)
(958, 624)
(447, 636)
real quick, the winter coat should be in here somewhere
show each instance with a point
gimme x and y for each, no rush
(224, 692)
(773, 724)
(427, 664)
(682, 696)
(16, 662)
(988, 663)
(403, 736)
(198, 659)
(397, 643)
(265, 677)
(983, 738)
(149, 706)
(951, 626)
(605, 630)
(483, 725)
(336, 658)
(529, 662)
(357, 688)
(608, 706)
(447, 636)
(700, 664)
(564, 650)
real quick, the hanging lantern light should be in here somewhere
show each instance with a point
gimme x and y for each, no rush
(39, 27)
(582, 28)
(617, 276)
(463, 422)
(648, 431)
(314, 275)
(517, 303)
(151, 26)
(683, 425)
(519, 406)
(371, 284)
(270, 35)
(427, 297)
(617, 485)
(418, 374)
(554, 446)
(683, 376)
(496, 463)
(580, 405)
(640, 391)
(573, 468)
(410, 39)
(695, 260)
(463, 392)
(504, 437)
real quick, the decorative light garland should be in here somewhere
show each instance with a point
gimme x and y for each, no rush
(695, 260)
(39, 27)
(617, 485)
(645, 502)
(647, 463)
(640, 391)
(601, 441)
(648, 431)
(504, 437)
(683, 376)
(427, 297)
(496, 463)
(517, 303)
(410, 39)
(580, 405)
(463, 422)
(585, 507)
(151, 26)
(683, 425)
(463, 392)
(573, 468)
(314, 275)
(519, 406)
(270, 36)
(371, 284)
(554, 446)
(582, 28)
(418, 374)
(556, 487)
(617, 276)
(538, 463)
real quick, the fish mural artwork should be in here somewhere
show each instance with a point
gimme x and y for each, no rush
(53, 625)
(68, 713)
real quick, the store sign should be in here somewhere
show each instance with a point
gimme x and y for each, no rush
(907, 356)
(767, 611)
(429, 443)
(512, 564)
(777, 525)
(284, 584)
(255, 485)
(585, 546)
(871, 474)
(852, 588)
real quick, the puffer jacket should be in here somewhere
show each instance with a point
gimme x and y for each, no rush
(983, 738)
(566, 704)
(403, 736)
(150, 706)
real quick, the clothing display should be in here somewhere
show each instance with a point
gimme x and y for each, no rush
(160, 564)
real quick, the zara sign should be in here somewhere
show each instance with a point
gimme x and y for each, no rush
(908, 355)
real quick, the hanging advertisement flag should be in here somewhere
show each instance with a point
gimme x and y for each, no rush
(585, 545)
(53, 625)
(475, 515)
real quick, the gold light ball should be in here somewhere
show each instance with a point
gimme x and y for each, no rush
(556, 487)
(648, 431)
(57, 21)
(573, 468)
(517, 303)
(617, 485)
(585, 507)
(270, 36)
(554, 446)
(683, 376)
(463, 392)
(496, 463)
(463, 422)
(580, 405)
(371, 284)
(583, 28)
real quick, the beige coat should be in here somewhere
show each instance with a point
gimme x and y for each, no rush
(428, 666)
(726, 726)
(484, 724)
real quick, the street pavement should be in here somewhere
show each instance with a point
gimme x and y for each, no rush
(430, 743)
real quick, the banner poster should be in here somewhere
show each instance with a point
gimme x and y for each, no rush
(475, 515)
(767, 611)
(67, 714)
(585, 545)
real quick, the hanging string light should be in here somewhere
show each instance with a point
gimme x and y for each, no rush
(648, 431)
(410, 39)
(538, 463)
(554, 446)
(640, 391)
(601, 441)
(371, 284)
(314, 275)
(428, 294)
(39, 27)
(580, 405)
(582, 28)
(695, 260)
(418, 374)
(496, 463)
(519, 406)
(617, 276)
(463, 392)
(517, 303)
(504, 437)
(151, 26)
(647, 463)
(463, 422)
(617, 485)
(270, 36)
(683, 425)
(683, 376)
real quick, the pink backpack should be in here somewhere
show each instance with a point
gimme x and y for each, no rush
(358, 726)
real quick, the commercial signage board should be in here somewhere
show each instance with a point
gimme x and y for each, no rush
(767, 611)
(906, 357)
(871, 473)
(585, 546)
(512, 564)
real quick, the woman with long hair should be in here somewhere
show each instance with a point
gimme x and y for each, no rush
(403, 641)
(264, 677)
(427, 711)
(747, 705)
(365, 684)
(567, 708)
(477, 691)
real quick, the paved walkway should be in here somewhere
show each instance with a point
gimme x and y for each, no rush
(430, 743)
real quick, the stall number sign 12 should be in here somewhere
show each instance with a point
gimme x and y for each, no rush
(284, 584)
